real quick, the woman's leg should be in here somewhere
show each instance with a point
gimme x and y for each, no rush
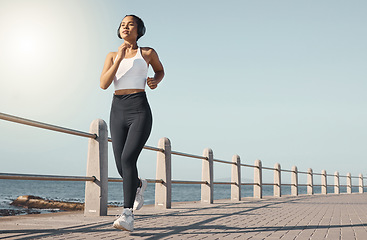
(118, 133)
(137, 136)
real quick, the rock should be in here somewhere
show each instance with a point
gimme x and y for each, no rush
(29, 201)
(13, 212)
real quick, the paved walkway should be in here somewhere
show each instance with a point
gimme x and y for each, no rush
(305, 217)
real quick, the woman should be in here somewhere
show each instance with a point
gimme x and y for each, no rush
(131, 118)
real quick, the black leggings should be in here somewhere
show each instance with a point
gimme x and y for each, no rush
(130, 124)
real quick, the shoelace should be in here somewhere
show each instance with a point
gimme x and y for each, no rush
(122, 214)
(119, 215)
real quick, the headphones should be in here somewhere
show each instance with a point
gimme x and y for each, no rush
(141, 27)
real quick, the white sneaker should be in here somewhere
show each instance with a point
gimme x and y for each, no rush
(139, 198)
(125, 221)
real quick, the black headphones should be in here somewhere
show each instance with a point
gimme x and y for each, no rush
(141, 27)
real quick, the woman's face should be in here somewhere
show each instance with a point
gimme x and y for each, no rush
(129, 28)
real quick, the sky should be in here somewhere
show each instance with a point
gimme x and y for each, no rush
(280, 81)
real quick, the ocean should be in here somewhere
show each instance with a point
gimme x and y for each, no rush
(74, 192)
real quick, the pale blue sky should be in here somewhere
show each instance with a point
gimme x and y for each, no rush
(280, 81)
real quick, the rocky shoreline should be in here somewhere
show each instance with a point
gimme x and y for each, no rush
(34, 205)
(13, 212)
(30, 201)
(37, 205)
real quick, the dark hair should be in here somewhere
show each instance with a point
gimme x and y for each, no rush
(141, 27)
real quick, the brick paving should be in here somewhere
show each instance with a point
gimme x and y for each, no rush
(304, 217)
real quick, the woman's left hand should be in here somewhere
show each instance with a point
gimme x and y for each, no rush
(152, 83)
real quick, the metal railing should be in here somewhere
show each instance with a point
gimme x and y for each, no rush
(15, 176)
(164, 180)
(33, 123)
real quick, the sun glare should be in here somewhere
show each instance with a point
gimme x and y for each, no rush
(27, 45)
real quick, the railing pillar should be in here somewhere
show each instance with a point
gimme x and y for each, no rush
(349, 183)
(258, 182)
(277, 181)
(361, 190)
(236, 178)
(294, 187)
(310, 182)
(97, 165)
(163, 191)
(323, 182)
(336, 183)
(207, 176)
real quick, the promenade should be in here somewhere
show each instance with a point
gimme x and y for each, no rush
(330, 216)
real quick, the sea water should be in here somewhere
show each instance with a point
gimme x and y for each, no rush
(71, 191)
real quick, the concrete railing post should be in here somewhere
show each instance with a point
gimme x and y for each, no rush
(310, 182)
(294, 187)
(207, 176)
(323, 182)
(336, 183)
(236, 178)
(258, 182)
(97, 165)
(361, 190)
(163, 191)
(349, 183)
(277, 181)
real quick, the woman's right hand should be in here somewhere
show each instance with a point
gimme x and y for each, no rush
(121, 51)
(110, 68)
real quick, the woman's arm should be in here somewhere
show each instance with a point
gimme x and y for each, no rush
(157, 68)
(108, 72)
(110, 67)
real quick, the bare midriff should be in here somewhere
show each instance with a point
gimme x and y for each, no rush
(128, 91)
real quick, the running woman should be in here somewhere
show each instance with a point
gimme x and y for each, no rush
(131, 117)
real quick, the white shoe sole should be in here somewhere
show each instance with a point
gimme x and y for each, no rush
(144, 186)
(118, 226)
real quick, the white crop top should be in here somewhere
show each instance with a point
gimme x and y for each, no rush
(132, 73)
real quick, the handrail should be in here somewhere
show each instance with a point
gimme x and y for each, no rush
(154, 149)
(247, 165)
(55, 128)
(188, 182)
(225, 183)
(258, 168)
(82, 178)
(319, 174)
(226, 162)
(188, 155)
(45, 177)
(14, 176)
(269, 168)
(110, 179)
(32, 123)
